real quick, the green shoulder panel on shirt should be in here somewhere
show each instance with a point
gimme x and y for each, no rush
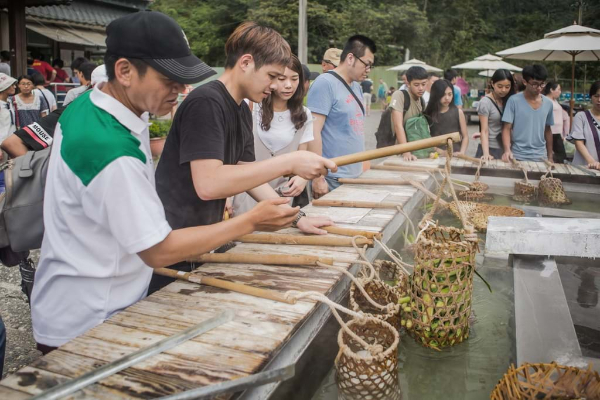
(92, 139)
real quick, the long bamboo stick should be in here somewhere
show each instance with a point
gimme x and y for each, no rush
(267, 259)
(220, 283)
(351, 232)
(405, 168)
(396, 149)
(354, 204)
(317, 240)
(374, 181)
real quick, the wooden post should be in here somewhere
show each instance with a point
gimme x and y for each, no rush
(572, 102)
(17, 37)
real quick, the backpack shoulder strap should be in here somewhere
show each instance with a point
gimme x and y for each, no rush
(349, 89)
(406, 101)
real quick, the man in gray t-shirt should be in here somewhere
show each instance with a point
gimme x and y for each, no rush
(526, 134)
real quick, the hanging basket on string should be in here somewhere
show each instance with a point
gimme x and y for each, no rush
(477, 189)
(525, 191)
(442, 281)
(547, 381)
(477, 214)
(382, 294)
(551, 191)
(391, 273)
(362, 375)
(441, 287)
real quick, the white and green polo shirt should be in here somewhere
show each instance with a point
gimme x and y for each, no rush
(100, 209)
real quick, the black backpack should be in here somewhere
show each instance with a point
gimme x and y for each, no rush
(385, 133)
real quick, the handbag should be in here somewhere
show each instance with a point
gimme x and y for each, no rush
(21, 205)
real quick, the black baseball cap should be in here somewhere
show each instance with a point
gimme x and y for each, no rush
(160, 42)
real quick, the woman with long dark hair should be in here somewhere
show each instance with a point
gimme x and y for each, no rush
(281, 125)
(445, 117)
(490, 110)
(561, 127)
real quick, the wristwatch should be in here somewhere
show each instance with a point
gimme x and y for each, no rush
(300, 215)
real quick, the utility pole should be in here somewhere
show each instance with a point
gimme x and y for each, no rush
(580, 4)
(302, 31)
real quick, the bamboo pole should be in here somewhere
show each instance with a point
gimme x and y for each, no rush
(404, 168)
(267, 259)
(396, 149)
(316, 240)
(374, 181)
(351, 232)
(354, 204)
(220, 283)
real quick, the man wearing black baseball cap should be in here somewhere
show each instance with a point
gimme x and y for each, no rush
(105, 224)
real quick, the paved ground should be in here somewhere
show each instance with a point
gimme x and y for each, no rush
(20, 349)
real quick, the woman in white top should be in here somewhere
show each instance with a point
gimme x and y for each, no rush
(560, 129)
(39, 81)
(586, 132)
(281, 125)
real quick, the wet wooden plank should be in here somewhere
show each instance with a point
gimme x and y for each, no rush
(561, 169)
(7, 393)
(346, 215)
(163, 376)
(35, 381)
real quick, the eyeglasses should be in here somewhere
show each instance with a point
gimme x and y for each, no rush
(367, 65)
(536, 85)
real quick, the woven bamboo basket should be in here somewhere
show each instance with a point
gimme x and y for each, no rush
(441, 287)
(474, 195)
(478, 213)
(525, 192)
(382, 294)
(391, 273)
(551, 192)
(359, 373)
(547, 381)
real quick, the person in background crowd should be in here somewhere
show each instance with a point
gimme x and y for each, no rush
(561, 127)
(75, 69)
(367, 88)
(382, 94)
(84, 73)
(331, 59)
(444, 117)
(417, 78)
(38, 81)
(44, 68)
(586, 132)
(527, 118)
(209, 153)
(432, 78)
(452, 76)
(335, 100)
(490, 110)
(281, 124)
(61, 74)
(519, 83)
(309, 77)
(30, 69)
(28, 104)
(5, 62)
(404, 85)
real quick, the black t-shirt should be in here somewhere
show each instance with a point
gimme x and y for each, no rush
(209, 125)
(367, 86)
(38, 136)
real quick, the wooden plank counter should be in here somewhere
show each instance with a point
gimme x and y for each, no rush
(498, 168)
(263, 333)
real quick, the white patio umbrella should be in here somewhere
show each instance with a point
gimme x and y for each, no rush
(415, 63)
(573, 43)
(487, 62)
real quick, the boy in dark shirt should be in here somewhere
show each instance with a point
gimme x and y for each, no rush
(209, 153)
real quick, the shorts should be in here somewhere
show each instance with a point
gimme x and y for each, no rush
(367, 99)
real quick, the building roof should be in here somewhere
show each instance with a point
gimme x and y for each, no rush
(99, 13)
(34, 3)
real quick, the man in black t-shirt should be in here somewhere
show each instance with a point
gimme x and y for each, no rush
(209, 153)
